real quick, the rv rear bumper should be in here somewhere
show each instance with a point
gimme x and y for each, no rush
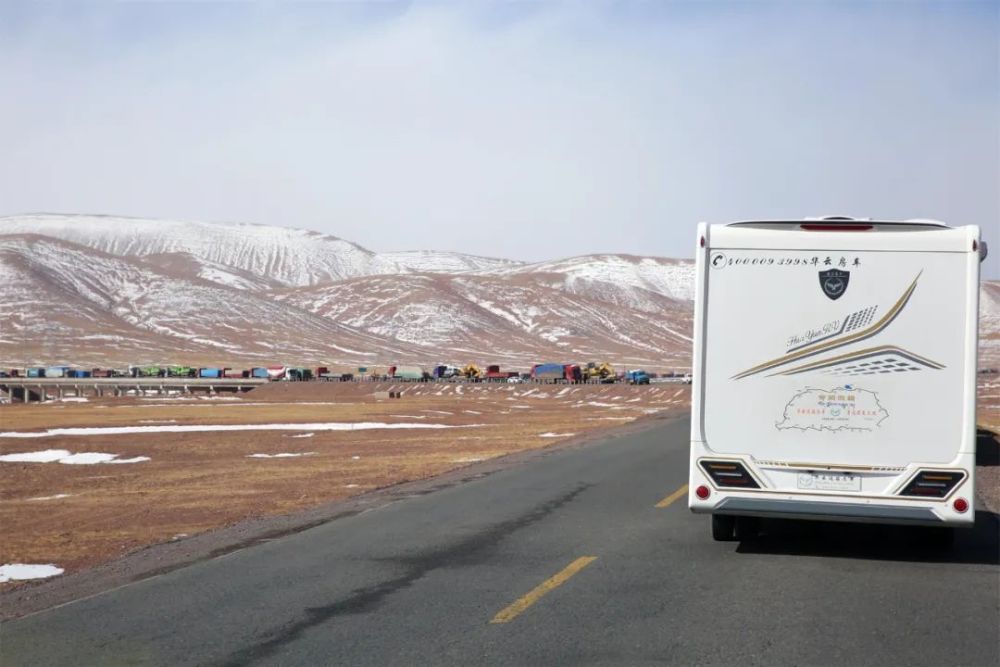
(828, 511)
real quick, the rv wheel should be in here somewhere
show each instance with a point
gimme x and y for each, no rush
(723, 527)
(747, 528)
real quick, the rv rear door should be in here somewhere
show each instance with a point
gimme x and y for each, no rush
(853, 347)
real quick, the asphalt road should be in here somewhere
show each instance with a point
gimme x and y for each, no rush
(565, 560)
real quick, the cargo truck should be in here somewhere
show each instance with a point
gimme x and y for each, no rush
(637, 377)
(834, 373)
(408, 373)
(548, 372)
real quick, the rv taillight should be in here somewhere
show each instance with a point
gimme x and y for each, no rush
(961, 505)
(702, 492)
(702, 242)
(729, 473)
(933, 483)
(834, 227)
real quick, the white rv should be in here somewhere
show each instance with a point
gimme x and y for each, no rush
(834, 373)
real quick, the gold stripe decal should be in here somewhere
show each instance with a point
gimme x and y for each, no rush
(861, 354)
(836, 342)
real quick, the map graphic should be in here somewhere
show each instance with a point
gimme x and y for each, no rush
(844, 408)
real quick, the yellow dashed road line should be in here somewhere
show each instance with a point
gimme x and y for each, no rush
(512, 611)
(679, 493)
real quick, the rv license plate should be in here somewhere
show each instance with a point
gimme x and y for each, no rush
(829, 481)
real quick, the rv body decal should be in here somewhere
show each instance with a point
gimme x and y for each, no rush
(870, 361)
(844, 408)
(838, 341)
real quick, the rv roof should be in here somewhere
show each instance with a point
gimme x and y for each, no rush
(845, 222)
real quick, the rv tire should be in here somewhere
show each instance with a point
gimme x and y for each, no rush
(746, 528)
(723, 527)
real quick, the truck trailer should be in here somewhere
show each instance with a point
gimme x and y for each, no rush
(834, 373)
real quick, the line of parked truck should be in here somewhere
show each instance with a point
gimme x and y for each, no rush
(546, 372)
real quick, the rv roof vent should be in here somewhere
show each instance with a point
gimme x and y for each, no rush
(839, 218)
(836, 225)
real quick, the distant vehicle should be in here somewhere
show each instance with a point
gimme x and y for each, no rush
(56, 371)
(107, 373)
(494, 374)
(834, 373)
(549, 372)
(603, 372)
(299, 374)
(445, 372)
(258, 372)
(35, 372)
(408, 373)
(274, 372)
(182, 372)
(210, 372)
(147, 371)
(514, 380)
(637, 377)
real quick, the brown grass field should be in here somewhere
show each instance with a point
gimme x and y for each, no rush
(988, 443)
(197, 481)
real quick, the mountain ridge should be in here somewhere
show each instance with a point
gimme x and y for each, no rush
(117, 290)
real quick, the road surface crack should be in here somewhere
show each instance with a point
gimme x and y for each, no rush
(476, 548)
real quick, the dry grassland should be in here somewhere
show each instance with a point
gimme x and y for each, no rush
(988, 442)
(197, 481)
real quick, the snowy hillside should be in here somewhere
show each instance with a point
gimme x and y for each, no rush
(624, 273)
(95, 289)
(989, 325)
(289, 256)
(430, 261)
(286, 256)
(510, 318)
(63, 302)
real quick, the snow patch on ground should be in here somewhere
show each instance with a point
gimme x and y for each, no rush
(22, 571)
(65, 456)
(202, 428)
(58, 496)
(301, 435)
(555, 435)
(282, 455)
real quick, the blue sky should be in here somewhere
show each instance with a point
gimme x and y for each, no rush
(517, 129)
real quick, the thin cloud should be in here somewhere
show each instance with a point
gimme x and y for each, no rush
(523, 131)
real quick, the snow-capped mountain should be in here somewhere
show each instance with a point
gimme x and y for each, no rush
(618, 276)
(508, 318)
(431, 261)
(284, 256)
(64, 302)
(105, 290)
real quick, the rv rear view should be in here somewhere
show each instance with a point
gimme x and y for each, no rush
(834, 373)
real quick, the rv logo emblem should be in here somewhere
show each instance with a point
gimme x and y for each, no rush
(834, 282)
